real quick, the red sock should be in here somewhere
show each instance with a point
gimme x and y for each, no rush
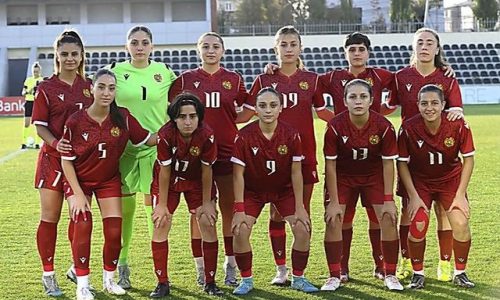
(196, 248)
(346, 249)
(461, 250)
(445, 238)
(390, 250)
(228, 246)
(112, 228)
(160, 259)
(333, 252)
(299, 262)
(81, 244)
(46, 237)
(210, 252)
(277, 234)
(417, 250)
(71, 230)
(403, 240)
(244, 262)
(377, 254)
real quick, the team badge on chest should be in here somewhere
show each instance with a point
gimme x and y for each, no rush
(194, 151)
(282, 149)
(115, 131)
(158, 78)
(449, 142)
(374, 139)
(227, 85)
(369, 80)
(304, 85)
(86, 93)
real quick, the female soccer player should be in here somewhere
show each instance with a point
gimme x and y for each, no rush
(267, 168)
(360, 148)
(300, 91)
(56, 99)
(431, 170)
(29, 90)
(142, 87)
(219, 89)
(186, 152)
(98, 136)
(426, 67)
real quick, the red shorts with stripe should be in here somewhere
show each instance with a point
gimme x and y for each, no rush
(193, 194)
(49, 174)
(442, 192)
(108, 189)
(350, 188)
(309, 174)
(283, 201)
(222, 168)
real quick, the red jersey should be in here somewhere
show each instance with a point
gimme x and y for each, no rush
(434, 157)
(268, 163)
(186, 157)
(359, 152)
(301, 92)
(409, 81)
(97, 148)
(335, 81)
(221, 92)
(55, 101)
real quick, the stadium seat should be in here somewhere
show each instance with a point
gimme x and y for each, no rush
(403, 48)
(237, 51)
(238, 65)
(245, 51)
(309, 64)
(318, 63)
(451, 60)
(460, 81)
(316, 50)
(248, 72)
(320, 70)
(238, 58)
(257, 72)
(335, 56)
(184, 58)
(229, 65)
(495, 59)
(478, 59)
(184, 53)
(472, 46)
(475, 52)
(166, 60)
(392, 68)
(175, 59)
(495, 80)
(469, 60)
(157, 59)
(388, 54)
(486, 81)
(94, 68)
(469, 81)
(394, 48)
(460, 60)
(94, 55)
(483, 73)
(449, 53)
(336, 63)
(341, 50)
(254, 51)
(396, 54)
(446, 47)
(466, 53)
(264, 58)
(157, 53)
(175, 53)
(317, 56)
(328, 63)
(263, 51)
(493, 73)
(193, 53)
(406, 54)
(256, 65)
(454, 47)
(113, 54)
(399, 61)
(477, 81)
(255, 58)
(122, 54)
(472, 67)
(474, 74)
(379, 55)
(377, 49)
(193, 66)
(193, 59)
(333, 49)
(463, 46)
(103, 61)
(41, 56)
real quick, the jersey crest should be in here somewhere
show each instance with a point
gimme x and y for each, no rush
(304, 85)
(282, 149)
(374, 139)
(115, 131)
(227, 85)
(158, 77)
(194, 151)
(449, 142)
(86, 93)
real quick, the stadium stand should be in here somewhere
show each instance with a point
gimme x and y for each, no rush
(473, 63)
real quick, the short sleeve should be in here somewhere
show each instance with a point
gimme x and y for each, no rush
(466, 140)
(40, 114)
(403, 153)
(238, 151)
(318, 100)
(330, 143)
(296, 146)
(454, 96)
(389, 144)
(138, 135)
(254, 90)
(176, 88)
(209, 154)
(164, 149)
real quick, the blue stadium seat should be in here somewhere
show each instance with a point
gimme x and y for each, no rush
(257, 71)
(463, 67)
(345, 63)
(335, 56)
(193, 66)
(399, 61)
(333, 49)
(328, 63)
(380, 62)
(317, 56)
(446, 47)
(263, 51)
(495, 80)
(469, 60)
(458, 53)
(460, 60)
(94, 68)
(449, 53)
(94, 61)
(249, 79)
(157, 59)
(466, 53)
(478, 81)
(255, 58)
(487, 59)
(318, 63)
(341, 50)
(379, 55)
(175, 53)
(166, 53)
(392, 68)
(481, 66)
(495, 59)
(175, 67)
(41, 56)
(228, 58)
(336, 63)
(256, 65)
(497, 46)
(403, 48)
(184, 53)
(237, 51)
(406, 54)
(469, 81)
(193, 53)
(483, 74)
(166, 60)
(472, 67)
(490, 66)
(229, 65)
(229, 51)
(394, 48)
(95, 54)
(472, 46)
(254, 51)
(475, 52)
(184, 59)
(486, 81)
(316, 50)
(474, 74)
(460, 81)
(87, 55)
(371, 62)
(113, 54)
(245, 51)
(463, 46)
(238, 58)
(326, 56)
(247, 65)
(478, 59)
(122, 54)
(103, 61)
(309, 64)
(388, 54)
(451, 60)
(454, 47)
(487, 46)
(193, 59)
(493, 73)
(493, 52)
(481, 46)
(407, 61)
(309, 57)
(264, 58)
(175, 59)
(248, 72)
(389, 62)
(121, 59)
(397, 54)
(377, 49)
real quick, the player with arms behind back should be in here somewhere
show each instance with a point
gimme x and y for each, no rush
(431, 170)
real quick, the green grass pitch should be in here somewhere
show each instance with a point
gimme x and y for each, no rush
(20, 269)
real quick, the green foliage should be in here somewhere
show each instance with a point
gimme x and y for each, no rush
(401, 11)
(486, 10)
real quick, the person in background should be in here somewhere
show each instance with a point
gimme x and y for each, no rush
(29, 89)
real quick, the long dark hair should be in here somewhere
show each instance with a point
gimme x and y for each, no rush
(69, 36)
(114, 112)
(184, 99)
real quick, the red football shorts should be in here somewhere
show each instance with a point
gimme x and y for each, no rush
(49, 174)
(283, 201)
(109, 189)
(443, 191)
(222, 168)
(193, 194)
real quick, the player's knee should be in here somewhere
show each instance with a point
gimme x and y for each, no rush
(300, 232)
(419, 224)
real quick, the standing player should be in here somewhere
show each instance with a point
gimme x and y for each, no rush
(142, 87)
(56, 99)
(357, 46)
(98, 136)
(267, 168)
(360, 148)
(426, 67)
(431, 170)
(29, 90)
(220, 90)
(301, 93)
(186, 153)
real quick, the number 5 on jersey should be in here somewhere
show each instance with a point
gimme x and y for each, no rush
(102, 150)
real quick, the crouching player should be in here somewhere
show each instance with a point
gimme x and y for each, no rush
(267, 168)
(431, 170)
(98, 136)
(360, 148)
(186, 153)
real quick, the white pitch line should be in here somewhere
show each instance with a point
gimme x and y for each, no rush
(10, 156)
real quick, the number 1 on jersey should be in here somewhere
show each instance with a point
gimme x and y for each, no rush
(144, 93)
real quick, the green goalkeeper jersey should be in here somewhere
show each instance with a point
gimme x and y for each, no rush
(144, 92)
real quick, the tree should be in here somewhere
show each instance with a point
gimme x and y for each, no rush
(486, 11)
(250, 12)
(401, 11)
(317, 11)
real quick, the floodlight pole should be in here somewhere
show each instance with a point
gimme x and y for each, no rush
(426, 12)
